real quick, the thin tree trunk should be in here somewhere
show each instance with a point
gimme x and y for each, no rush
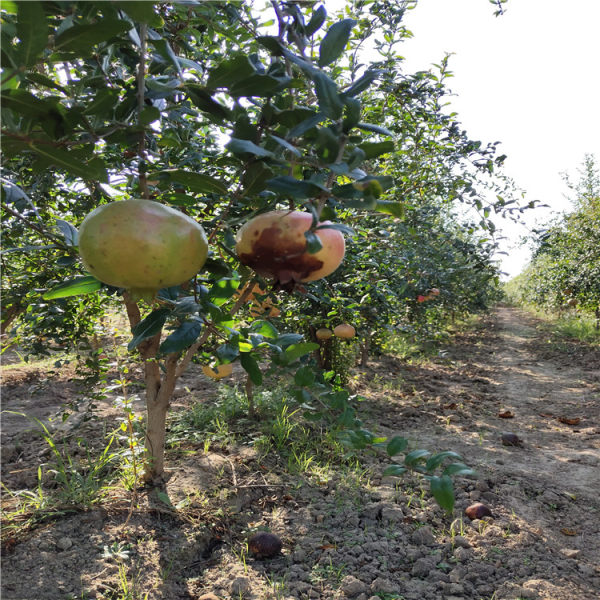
(9, 315)
(364, 350)
(250, 396)
(158, 396)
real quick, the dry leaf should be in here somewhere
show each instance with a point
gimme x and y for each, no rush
(451, 406)
(506, 414)
(568, 531)
(548, 415)
(567, 421)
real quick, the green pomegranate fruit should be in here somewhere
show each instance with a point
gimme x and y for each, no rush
(141, 246)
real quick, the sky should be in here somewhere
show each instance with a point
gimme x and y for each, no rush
(529, 79)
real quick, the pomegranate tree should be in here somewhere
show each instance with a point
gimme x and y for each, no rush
(274, 245)
(141, 246)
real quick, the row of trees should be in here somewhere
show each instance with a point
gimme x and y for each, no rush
(224, 112)
(565, 268)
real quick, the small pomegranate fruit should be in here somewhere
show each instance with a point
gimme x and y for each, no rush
(478, 511)
(218, 372)
(264, 544)
(274, 245)
(344, 331)
(324, 333)
(422, 298)
(142, 246)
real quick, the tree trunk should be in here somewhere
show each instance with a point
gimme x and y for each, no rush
(158, 396)
(364, 350)
(250, 396)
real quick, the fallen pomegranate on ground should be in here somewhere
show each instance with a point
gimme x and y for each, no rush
(142, 246)
(274, 245)
(264, 544)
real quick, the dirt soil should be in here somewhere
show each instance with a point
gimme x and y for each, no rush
(345, 535)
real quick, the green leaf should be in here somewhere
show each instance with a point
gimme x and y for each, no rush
(250, 365)
(287, 339)
(389, 207)
(259, 85)
(437, 459)
(238, 146)
(64, 159)
(149, 114)
(197, 182)
(328, 97)
(394, 471)
(82, 38)
(362, 83)
(255, 178)
(335, 41)
(148, 327)
(313, 242)
(265, 328)
(74, 287)
(229, 72)
(375, 129)
(228, 352)
(414, 457)
(305, 125)
(183, 337)
(141, 11)
(203, 100)
(165, 50)
(69, 232)
(396, 445)
(305, 376)
(285, 144)
(223, 289)
(443, 492)
(290, 186)
(25, 103)
(316, 20)
(105, 100)
(458, 469)
(374, 149)
(295, 351)
(32, 31)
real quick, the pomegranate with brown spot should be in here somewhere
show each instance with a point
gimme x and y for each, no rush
(274, 245)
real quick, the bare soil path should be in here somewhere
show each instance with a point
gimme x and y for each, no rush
(347, 532)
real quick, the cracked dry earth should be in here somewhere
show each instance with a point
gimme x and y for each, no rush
(349, 533)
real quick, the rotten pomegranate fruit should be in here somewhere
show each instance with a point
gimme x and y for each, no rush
(264, 544)
(344, 331)
(274, 245)
(141, 246)
(478, 511)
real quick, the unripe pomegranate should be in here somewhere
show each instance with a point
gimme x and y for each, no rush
(274, 245)
(218, 372)
(324, 333)
(344, 331)
(142, 246)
